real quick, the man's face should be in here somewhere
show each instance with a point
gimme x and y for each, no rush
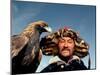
(66, 46)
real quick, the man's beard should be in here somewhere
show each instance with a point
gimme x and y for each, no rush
(65, 58)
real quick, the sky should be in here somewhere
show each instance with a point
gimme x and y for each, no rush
(81, 18)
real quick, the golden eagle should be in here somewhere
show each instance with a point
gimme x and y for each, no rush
(25, 50)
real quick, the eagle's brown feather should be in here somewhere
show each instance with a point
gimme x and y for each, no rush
(25, 50)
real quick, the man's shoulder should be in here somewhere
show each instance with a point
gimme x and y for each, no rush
(50, 68)
(78, 65)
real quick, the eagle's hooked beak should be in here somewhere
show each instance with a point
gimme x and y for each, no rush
(48, 29)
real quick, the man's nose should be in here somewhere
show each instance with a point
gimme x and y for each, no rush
(66, 44)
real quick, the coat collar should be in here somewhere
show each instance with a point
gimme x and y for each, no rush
(56, 59)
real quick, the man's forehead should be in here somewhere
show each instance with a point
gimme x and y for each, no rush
(65, 38)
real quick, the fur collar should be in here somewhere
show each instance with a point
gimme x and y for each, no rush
(56, 59)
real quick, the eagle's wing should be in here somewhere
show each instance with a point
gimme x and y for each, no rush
(17, 43)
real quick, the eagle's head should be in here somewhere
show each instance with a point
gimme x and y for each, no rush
(42, 26)
(38, 26)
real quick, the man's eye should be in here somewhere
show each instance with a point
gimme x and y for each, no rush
(62, 41)
(70, 41)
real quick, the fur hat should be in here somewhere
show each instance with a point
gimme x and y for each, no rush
(49, 43)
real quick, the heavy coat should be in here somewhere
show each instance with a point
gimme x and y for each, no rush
(59, 65)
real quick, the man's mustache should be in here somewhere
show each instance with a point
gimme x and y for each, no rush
(65, 48)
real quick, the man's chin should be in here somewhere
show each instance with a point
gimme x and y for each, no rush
(65, 54)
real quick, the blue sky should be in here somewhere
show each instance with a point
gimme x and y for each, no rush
(81, 18)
